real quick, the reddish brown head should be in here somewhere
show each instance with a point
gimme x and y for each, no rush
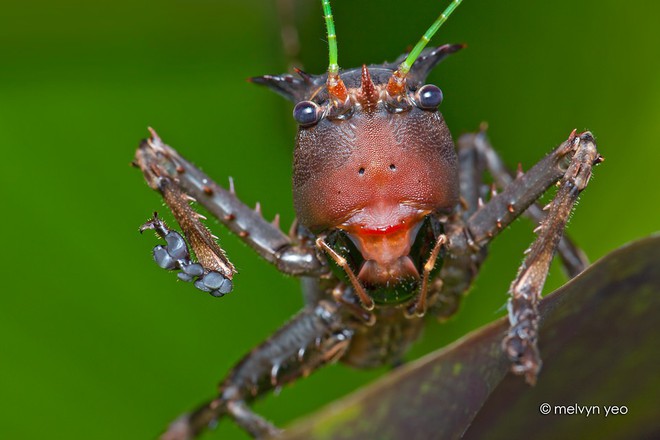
(369, 168)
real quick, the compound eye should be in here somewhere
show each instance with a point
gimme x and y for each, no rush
(306, 113)
(429, 97)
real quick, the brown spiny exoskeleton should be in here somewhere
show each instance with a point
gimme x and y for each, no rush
(393, 224)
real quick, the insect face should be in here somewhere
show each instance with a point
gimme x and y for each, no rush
(374, 158)
(375, 172)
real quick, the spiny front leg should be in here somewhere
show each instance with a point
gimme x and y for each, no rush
(493, 217)
(314, 337)
(521, 342)
(162, 165)
(216, 271)
(471, 229)
(476, 152)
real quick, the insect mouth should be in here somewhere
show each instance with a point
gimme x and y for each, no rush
(386, 250)
(373, 273)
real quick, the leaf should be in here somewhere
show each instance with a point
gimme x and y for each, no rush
(599, 341)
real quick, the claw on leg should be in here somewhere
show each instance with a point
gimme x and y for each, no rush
(176, 256)
(520, 345)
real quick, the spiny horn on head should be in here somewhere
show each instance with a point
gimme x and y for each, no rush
(396, 86)
(369, 95)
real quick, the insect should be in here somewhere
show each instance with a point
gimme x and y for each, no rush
(393, 224)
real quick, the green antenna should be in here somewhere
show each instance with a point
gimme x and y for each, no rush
(404, 67)
(333, 67)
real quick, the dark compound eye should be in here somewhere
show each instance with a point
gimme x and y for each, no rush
(306, 113)
(429, 97)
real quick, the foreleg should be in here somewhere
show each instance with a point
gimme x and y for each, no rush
(483, 156)
(313, 338)
(179, 182)
(471, 229)
(521, 342)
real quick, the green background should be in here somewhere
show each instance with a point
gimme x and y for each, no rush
(96, 341)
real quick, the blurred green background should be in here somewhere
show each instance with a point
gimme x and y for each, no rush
(97, 342)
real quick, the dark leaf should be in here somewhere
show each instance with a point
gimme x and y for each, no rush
(599, 341)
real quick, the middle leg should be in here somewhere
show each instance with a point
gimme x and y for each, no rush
(314, 337)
